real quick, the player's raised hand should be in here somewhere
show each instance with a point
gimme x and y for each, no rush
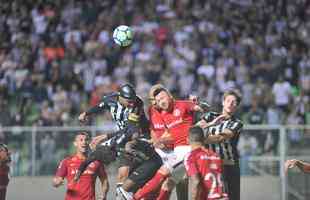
(290, 164)
(83, 117)
(58, 181)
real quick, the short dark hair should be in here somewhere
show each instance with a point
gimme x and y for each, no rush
(234, 93)
(82, 133)
(196, 134)
(3, 147)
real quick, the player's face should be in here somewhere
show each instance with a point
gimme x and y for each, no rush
(81, 143)
(127, 102)
(163, 100)
(4, 155)
(230, 104)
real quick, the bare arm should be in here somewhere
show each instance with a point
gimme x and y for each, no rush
(226, 134)
(162, 141)
(195, 188)
(104, 186)
(58, 181)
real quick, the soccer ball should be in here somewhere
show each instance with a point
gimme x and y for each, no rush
(123, 35)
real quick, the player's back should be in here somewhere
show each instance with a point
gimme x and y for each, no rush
(210, 168)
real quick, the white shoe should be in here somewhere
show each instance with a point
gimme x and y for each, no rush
(121, 194)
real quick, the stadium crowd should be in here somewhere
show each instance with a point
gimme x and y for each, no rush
(57, 58)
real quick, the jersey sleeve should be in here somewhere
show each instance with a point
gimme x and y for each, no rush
(235, 126)
(62, 169)
(103, 105)
(208, 117)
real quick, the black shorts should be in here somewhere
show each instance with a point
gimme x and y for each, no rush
(144, 172)
(125, 160)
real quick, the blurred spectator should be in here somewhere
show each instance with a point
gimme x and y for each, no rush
(47, 149)
(247, 146)
(274, 116)
(189, 46)
(256, 116)
(282, 93)
(294, 134)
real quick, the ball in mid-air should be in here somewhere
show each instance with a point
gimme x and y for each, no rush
(123, 35)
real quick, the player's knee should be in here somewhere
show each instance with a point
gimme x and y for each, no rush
(123, 173)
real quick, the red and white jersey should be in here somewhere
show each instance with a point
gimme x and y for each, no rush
(177, 121)
(4, 176)
(209, 166)
(84, 189)
(159, 129)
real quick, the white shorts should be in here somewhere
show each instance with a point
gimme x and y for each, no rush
(173, 160)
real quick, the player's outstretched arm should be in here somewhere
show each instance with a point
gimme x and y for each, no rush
(58, 181)
(303, 166)
(103, 105)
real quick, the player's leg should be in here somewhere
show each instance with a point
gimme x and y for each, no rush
(232, 181)
(168, 158)
(154, 184)
(179, 172)
(182, 189)
(124, 168)
(122, 174)
(166, 189)
(2, 193)
(141, 174)
(138, 177)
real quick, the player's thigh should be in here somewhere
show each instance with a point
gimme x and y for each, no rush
(145, 171)
(127, 161)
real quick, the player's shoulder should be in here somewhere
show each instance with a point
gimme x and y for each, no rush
(183, 102)
(68, 159)
(237, 120)
(195, 152)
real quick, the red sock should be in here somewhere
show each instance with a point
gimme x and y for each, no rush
(164, 195)
(151, 186)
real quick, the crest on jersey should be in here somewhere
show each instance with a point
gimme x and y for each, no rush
(176, 112)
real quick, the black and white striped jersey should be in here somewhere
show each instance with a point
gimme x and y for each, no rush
(119, 112)
(228, 148)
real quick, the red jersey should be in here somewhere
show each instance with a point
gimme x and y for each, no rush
(177, 121)
(158, 130)
(85, 187)
(4, 176)
(208, 165)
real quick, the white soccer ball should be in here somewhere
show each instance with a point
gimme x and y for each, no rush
(123, 35)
